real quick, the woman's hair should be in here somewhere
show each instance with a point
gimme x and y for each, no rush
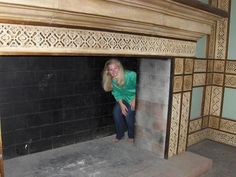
(106, 77)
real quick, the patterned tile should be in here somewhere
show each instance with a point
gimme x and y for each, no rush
(219, 66)
(214, 122)
(218, 79)
(188, 66)
(178, 82)
(199, 79)
(195, 125)
(228, 126)
(197, 137)
(230, 80)
(207, 101)
(230, 67)
(216, 97)
(200, 65)
(205, 121)
(222, 137)
(174, 127)
(179, 65)
(187, 83)
(184, 122)
(209, 78)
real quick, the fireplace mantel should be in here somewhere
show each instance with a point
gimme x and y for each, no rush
(164, 18)
(130, 27)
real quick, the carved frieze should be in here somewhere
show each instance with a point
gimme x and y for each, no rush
(38, 39)
(197, 137)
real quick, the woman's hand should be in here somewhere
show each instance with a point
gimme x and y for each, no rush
(132, 104)
(123, 108)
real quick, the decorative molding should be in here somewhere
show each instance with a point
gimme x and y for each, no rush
(228, 126)
(174, 127)
(200, 65)
(36, 39)
(199, 79)
(184, 122)
(195, 125)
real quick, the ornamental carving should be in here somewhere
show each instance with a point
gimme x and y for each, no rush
(222, 137)
(188, 69)
(178, 82)
(219, 66)
(187, 83)
(218, 79)
(214, 122)
(216, 97)
(197, 137)
(179, 66)
(38, 39)
(207, 101)
(199, 79)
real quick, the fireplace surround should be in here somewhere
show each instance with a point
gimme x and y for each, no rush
(137, 28)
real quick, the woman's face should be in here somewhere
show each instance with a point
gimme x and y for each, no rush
(113, 70)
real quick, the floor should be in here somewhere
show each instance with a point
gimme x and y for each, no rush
(102, 158)
(223, 156)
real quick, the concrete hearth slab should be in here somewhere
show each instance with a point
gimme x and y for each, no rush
(102, 158)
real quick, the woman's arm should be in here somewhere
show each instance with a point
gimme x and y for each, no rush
(132, 104)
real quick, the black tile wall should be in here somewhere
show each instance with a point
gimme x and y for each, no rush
(49, 102)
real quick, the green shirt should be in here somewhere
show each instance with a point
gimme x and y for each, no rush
(127, 91)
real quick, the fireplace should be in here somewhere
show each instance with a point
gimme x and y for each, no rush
(146, 30)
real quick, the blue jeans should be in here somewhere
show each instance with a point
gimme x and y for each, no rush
(121, 121)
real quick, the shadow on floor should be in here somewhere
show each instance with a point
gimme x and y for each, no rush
(223, 156)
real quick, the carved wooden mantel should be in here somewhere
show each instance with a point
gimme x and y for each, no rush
(130, 27)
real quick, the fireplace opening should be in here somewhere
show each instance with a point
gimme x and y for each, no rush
(49, 102)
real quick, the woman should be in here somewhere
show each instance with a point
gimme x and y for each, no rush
(122, 83)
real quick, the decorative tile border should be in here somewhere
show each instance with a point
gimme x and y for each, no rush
(216, 97)
(184, 122)
(197, 137)
(195, 125)
(178, 82)
(174, 127)
(187, 83)
(205, 121)
(222, 137)
(38, 39)
(228, 126)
